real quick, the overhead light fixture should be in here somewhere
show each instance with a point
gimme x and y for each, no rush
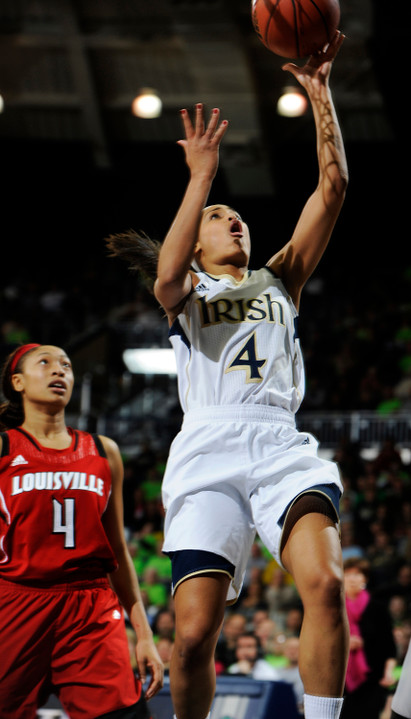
(150, 361)
(292, 103)
(147, 104)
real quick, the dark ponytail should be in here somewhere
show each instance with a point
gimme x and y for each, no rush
(139, 250)
(12, 410)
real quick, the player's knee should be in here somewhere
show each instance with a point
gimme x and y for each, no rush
(326, 588)
(194, 643)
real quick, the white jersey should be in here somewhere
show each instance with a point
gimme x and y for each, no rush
(237, 343)
(238, 462)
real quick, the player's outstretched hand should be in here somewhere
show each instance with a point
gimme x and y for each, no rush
(318, 66)
(202, 142)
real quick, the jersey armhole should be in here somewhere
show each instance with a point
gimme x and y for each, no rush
(6, 444)
(99, 446)
(274, 274)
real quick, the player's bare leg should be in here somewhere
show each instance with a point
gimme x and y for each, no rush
(199, 606)
(312, 555)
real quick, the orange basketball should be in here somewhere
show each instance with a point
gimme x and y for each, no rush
(295, 28)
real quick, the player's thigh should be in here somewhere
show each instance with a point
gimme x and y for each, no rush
(312, 553)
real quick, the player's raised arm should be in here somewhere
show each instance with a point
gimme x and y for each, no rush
(201, 147)
(298, 259)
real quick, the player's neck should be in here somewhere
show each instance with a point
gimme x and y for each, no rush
(228, 269)
(50, 430)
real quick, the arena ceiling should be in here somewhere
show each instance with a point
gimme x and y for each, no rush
(69, 70)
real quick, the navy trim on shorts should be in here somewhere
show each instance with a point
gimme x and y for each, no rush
(188, 562)
(332, 492)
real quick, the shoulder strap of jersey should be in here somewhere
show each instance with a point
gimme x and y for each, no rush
(99, 446)
(6, 444)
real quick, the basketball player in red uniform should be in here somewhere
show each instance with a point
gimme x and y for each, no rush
(61, 536)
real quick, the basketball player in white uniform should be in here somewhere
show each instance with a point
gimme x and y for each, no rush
(238, 465)
(401, 701)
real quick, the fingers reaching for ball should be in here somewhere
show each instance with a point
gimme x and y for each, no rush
(329, 51)
(318, 65)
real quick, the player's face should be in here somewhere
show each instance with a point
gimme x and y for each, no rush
(46, 377)
(223, 237)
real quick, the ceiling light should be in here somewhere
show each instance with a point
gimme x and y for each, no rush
(150, 361)
(147, 104)
(292, 102)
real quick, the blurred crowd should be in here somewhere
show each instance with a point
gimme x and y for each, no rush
(357, 343)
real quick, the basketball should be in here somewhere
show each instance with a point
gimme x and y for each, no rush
(295, 28)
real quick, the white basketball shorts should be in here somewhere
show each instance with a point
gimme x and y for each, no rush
(232, 472)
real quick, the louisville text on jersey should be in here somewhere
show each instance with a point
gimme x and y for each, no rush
(57, 480)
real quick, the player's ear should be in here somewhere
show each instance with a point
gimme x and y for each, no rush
(196, 263)
(17, 382)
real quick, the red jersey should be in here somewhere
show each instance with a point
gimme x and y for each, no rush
(51, 507)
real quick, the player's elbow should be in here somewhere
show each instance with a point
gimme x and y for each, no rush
(334, 188)
(341, 182)
(336, 179)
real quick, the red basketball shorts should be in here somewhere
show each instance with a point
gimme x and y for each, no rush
(68, 640)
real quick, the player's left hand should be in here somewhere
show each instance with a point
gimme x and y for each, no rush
(148, 661)
(318, 66)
